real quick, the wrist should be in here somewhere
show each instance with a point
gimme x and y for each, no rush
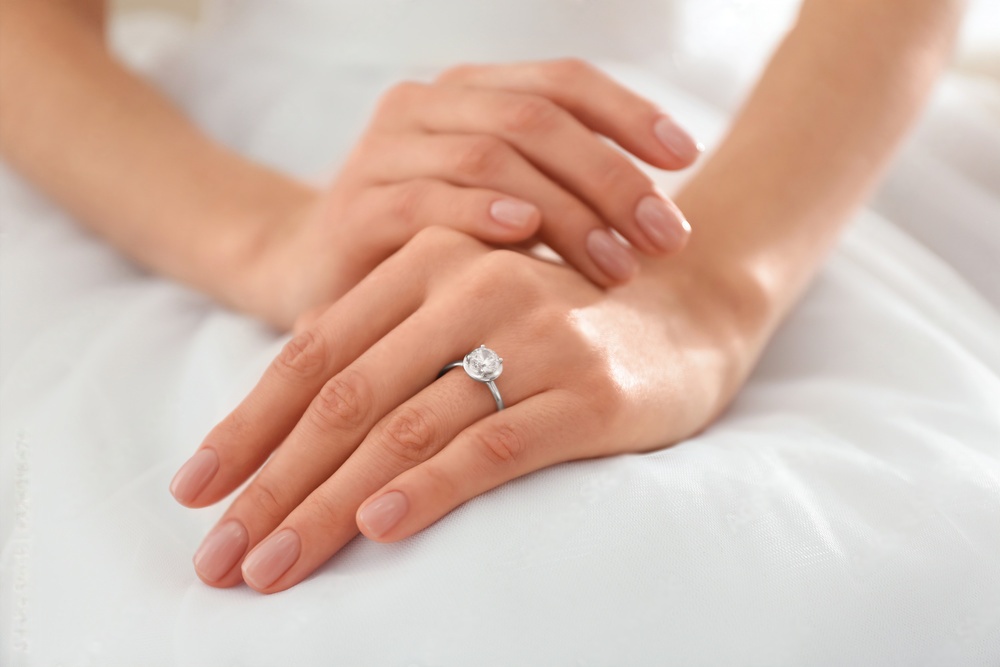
(718, 293)
(751, 252)
(724, 289)
(716, 304)
(239, 262)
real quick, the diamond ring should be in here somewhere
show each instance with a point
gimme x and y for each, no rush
(482, 365)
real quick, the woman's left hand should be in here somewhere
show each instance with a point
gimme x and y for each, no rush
(364, 437)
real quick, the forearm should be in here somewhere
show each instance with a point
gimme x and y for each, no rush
(117, 155)
(809, 145)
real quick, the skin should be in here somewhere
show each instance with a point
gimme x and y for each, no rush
(444, 152)
(478, 136)
(590, 370)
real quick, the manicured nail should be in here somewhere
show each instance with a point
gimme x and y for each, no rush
(194, 475)
(613, 258)
(381, 514)
(221, 549)
(662, 222)
(513, 212)
(676, 140)
(272, 558)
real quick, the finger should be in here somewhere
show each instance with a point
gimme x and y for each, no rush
(239, 444)
(558, 144)
(400, 209)
(529, 436)
(325, 521)
(568, 224)
(336, 421)
(308, 318)
(597, 100)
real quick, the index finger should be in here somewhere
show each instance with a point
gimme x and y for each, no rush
(596, 100)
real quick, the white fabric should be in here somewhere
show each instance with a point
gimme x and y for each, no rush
(845, 511)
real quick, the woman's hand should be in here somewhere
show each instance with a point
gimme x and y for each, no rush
(505, 153)
(509, 154)
(364, 437)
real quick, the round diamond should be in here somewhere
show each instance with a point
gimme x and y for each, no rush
(483, 364)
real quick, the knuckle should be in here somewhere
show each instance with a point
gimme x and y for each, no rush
(503, 262)
(530, 114)
(304, 356)
(408, 201)
(434, 240)
(434, 254)
(481, 156)
(504, 272)
(342, 402)
(502, 445)
(565, 70)
(325, 512)
(408, 434)
(411, 426)
(613, 175)
(264, 501)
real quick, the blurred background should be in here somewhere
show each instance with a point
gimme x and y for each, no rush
(979, 49)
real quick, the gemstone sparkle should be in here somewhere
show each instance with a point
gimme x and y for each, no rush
(483, 364)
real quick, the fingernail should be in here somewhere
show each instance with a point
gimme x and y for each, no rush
(512, 212)
(613, 258)
(272, 558)
(381, 514)
(676, 140)
(221, 549)
(662, 222)
(194, 475)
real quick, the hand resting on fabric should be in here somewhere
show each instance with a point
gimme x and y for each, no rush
(360, 432)
(505, 153)
(361, 422)
(363, 437)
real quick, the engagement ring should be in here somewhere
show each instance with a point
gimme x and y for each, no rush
(482, 365)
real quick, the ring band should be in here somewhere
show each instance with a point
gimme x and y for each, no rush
(482, 365)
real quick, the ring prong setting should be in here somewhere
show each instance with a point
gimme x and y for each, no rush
(483, 364)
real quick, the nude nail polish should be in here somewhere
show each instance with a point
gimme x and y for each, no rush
(380, 515)
(676, 140)
(194, 476)
(662, 222)
(512, 212)
(610, 255)
(221, 549)
(272, 558)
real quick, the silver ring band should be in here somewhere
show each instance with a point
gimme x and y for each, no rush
(482, 365)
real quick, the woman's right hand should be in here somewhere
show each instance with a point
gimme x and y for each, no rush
(505, 153)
